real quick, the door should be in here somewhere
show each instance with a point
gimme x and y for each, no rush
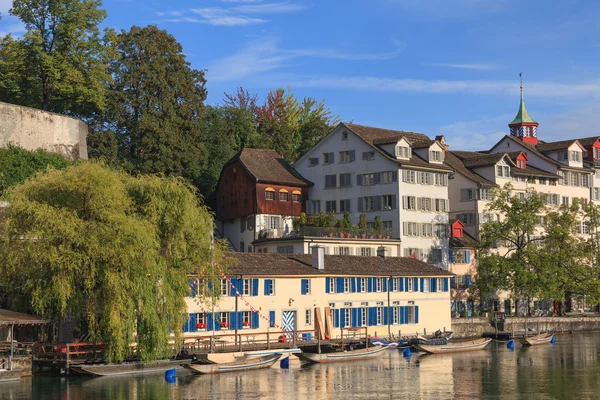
(288, 321)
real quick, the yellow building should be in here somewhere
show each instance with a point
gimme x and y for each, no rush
(286, 292)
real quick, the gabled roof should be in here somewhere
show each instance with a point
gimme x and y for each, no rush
(272, 264)
(456, 163)
(533, 149)
(466, 241)
(267, 166)
(482, 160)
(529, 170)
(588, 141)
(545, 147)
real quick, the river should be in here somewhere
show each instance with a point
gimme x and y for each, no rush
(569, 369)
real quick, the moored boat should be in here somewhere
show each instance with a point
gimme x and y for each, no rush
(7, 375)
(383, 342)
(128, 368)
(454, 347)
(543, 338)
(437, 338)
(340, 356)
(244, 363)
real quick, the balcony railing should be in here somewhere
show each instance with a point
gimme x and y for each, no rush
(327, 232)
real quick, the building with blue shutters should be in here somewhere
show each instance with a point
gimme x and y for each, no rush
(296, 292)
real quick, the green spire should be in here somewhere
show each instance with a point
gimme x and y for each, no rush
(522, 116)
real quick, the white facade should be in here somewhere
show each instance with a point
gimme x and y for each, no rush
(243, 231)
(331, 245)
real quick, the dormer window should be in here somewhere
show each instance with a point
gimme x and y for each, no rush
(521, 164)
(597, 153)
(403, 152)
(502, 171)
(436, 156)
(576, 156)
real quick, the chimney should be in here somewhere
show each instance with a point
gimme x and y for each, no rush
(381, 252)
(318, 257)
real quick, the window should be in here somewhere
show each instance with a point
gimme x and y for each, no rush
(344, 135)
(424, 203)
(596, 194)
(289, 249)
(436, 156)
(224, 287)
(441, 179)
(565, 156)
(409, 202)
(270, 287)
(565, 177)
(305, 286)
(368, 155)
(575, 156)
(332, 285)
(247, 287)
(368, 179)
(346, 156)
(379, 315)
(440, 205)
(345, 205)
(363, 316)
(274, 223)
(242, 246)
(426, 284)
(346, 286)
(368, 203)
(460, 256)
(409, 176)
(395, 315)
(389, 177)
(584, 180)
(314, 161)
(467, 194)
(345, 180)
(410, 229)
(297, 198)
(242, 225)
(328, 158)
(308, 316)
(414, 253)
(330, 206)
(269, 195)
(330, 181)
(565, 200)
(503, 171)
(246, 319)
(426, 230)
(389, 202)
(467, 219)
(378, 284)
(387, 225)
(283, 196)
(542, 181)
(342, 251)
(435, 256)
(403, 152)
(412, 314)
(574, 181)
(224, 320)
(365, 251)
(409, 286)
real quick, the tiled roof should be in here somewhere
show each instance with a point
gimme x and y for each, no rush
(453, 161)
(466, 241)
(534, 150)
(553, 146)
(267, 166)
(254, 264)
(483, 160)
(588, 141)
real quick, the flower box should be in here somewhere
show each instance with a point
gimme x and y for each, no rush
(200, 327)
(245, 325)
(224, 325)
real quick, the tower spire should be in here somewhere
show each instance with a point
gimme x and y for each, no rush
(523, 126)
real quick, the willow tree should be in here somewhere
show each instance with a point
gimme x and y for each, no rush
(112, 250)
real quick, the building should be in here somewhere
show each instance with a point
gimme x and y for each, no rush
(338, 244)
(398, 176)
(258, 195)
(463, 263)
(291, 292)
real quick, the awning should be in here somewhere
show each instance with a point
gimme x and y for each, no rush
(283, 191)
(296, 192)
(269, 189)
(8, 317)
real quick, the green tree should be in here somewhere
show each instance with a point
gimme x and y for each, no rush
(60, 63)
(18, 164)
(112, 250)
(154, 105)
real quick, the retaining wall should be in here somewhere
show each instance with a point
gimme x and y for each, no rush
(474, 327)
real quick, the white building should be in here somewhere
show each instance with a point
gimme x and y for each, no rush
(399, 176)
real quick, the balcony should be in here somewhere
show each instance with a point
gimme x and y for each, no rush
(312, 231)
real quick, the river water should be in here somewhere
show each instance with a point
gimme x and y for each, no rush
(569, 369)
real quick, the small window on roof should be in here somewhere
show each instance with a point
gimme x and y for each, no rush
(344, 135)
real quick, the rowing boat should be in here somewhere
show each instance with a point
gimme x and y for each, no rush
(128, 368)
(10, 375)
(340, 356)
(454, 347)
(245, 363)
(543, 338)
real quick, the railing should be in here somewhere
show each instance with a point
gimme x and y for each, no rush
(327, 232)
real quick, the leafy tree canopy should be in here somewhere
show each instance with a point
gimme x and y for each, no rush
(107, 248)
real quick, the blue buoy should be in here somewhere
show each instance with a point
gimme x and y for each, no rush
(284, 363)
(552, 340)
(511, 344)
(406, 352)
(170, 375)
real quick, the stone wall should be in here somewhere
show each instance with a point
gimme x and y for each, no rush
(34, 129)
(23, 363)
(474, 327)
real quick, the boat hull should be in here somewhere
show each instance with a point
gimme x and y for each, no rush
(250, 363)
(128, 368)
(473, 345)
(9, 375)
(536, 340)
(342, 356)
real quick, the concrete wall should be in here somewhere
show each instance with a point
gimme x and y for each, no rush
(474, 327)
(34, 129)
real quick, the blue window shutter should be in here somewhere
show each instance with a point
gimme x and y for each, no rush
(445, 284)
(370, 285)
(233, 290)
(209, 322)
(385, 315)
(240, 320)
(384, 286)
(209, 285)
(193, 287)
(402, 315)
(451, 256)
(415, 284)
(392, 282)
(406, 321)
(267, 286)
(354, 317)
(452, 282)
(272, 319)
(255, 320)
(416, 314)
(255, 287)
(339, 285)
(327, 284)
(342, 319)
(353, 282)
(186, 326)
(233, 321)
(303, 284)
(467, 256)
(433, 285)
(359, 312)
(372, 316)
(217, 321)
(468, 280)
(336, 318)
(422, 284)
(193, 322)
(358, 283)
(401, 280)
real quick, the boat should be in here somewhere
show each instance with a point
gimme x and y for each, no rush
(437, 338)
(398, 343)
(498, 336)
(454, 347)
(340, 356)
(542, 338)
(244, 363)
(128, 368)
(7, 375)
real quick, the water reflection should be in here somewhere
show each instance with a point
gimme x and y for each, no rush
(569, 369)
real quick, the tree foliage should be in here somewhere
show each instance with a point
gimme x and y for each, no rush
(107, 248)
(60, 63)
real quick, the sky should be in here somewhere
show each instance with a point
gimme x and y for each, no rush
(439, 67)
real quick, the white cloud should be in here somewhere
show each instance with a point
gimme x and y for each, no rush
(475, 135)
(14, 28)
(268, 8)
(5, 5)
(476, 67)
(223, 17)
(342, 55)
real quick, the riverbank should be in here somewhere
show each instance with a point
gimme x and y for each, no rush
(475, 327)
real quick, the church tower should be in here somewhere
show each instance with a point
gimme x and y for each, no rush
(523, 127)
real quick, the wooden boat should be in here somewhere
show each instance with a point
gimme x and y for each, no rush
(498, 336)
(7, 375)
(244, 363)
(437, 338)
(454, 347)
(340, 356)
(400, 343)
(128, 368)
(543, 338)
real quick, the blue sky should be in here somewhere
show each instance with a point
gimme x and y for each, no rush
(433, 66)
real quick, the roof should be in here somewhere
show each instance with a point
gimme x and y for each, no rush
(453, 161)
(533, 149)
(588, 141)
(522, 115)
(532, 171)
(13, 317)
(482, 160)
(377, 136)
(553, 146)
(466, 241)
(267, 166)
(273, 264)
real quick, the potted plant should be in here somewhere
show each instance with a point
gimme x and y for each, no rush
(200, 326)
(246, 324)
(362, 225)
(387, 233)
(224, 324)
(378, 227)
